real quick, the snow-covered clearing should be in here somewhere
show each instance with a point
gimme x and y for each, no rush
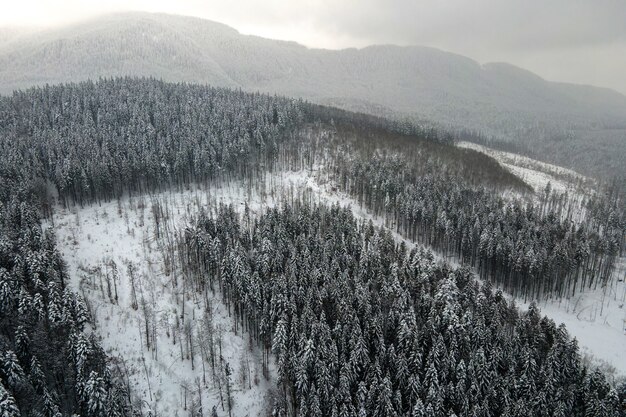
(91, 237)
(539, 174)
(535, 173)
(124, 232)
(597, 318)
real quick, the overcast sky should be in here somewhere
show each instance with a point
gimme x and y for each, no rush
(561, 40)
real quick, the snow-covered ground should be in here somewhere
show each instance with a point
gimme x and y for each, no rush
(538, 175)
(597, 318)
(91, 237)
(124, 232)
(535, 173)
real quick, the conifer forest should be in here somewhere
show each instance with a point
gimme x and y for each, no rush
(264, 255)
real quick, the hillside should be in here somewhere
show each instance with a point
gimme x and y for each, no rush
(419, 82)
(174, 248)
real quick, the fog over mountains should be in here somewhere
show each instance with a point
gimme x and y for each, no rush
(418, 82)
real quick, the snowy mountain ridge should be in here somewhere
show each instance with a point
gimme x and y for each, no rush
(419, 81)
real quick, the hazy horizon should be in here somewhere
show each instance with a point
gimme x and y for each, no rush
(573, 42)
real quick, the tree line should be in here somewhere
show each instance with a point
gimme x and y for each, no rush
(535, 249)
(99, 141)
(363, 326)
(50, 364)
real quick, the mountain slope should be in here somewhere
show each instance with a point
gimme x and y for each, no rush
(420, 83)
(102, 142)
(433, 84)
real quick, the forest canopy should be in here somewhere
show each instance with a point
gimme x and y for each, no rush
(358, 324)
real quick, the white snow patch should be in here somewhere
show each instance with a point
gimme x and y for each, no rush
(597, 319)
(535, 173)
(123, 232)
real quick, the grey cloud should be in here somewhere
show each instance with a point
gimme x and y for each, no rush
(568, 40)
(512, 23)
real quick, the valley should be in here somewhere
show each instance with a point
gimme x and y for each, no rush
(578, 126)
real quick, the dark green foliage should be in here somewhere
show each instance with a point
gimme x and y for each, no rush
(97, 141)
(358, 325)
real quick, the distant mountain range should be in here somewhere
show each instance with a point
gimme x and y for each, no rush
(417, 82)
